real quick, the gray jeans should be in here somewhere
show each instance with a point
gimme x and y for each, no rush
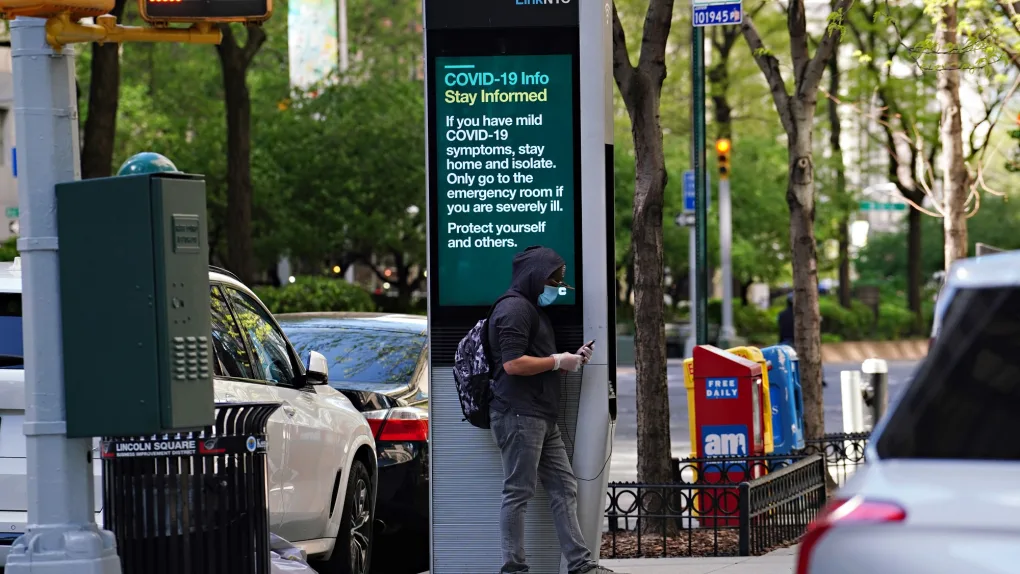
(533, 448)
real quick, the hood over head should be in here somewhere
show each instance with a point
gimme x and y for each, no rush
(532, 268)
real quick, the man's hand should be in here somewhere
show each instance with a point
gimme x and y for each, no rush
(568, 362)
(585, 353)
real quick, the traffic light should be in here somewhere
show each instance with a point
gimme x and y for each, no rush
(167, 11)
(722, 150)
(78, 9)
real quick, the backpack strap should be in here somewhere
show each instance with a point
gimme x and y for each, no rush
(534, 323)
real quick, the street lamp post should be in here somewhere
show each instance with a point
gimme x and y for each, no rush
(62, 536)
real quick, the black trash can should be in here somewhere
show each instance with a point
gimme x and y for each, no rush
(195, 502)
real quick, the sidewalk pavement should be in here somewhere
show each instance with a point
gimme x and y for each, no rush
(777, 562)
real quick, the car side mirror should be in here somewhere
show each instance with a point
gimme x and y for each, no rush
(316, 369)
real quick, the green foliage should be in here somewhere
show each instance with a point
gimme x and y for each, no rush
(358, 169)
(751, 319)
(320, 294)
(853, 324)
(9, 249)
(884, 260)
(1013, 157)
(894, 322)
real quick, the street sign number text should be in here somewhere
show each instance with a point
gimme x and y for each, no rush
(717, 12)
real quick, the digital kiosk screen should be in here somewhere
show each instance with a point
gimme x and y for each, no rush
(505, 169)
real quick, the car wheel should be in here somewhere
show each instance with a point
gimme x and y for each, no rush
(352, 552)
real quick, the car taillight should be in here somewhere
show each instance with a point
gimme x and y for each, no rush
(840, 512)
(400, 424)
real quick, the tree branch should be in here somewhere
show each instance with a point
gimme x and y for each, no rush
(228, 45)
(652, 58)
(623, 70)
(769, 65)
(813, 74)
(796, 24)
(256, 37)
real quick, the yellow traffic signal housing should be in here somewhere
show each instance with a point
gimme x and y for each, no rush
(722, 150)
(170, 11)
(48, 8)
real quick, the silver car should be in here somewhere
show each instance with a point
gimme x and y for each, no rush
(941, 490)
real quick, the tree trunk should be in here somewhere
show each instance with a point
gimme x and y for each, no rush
(807, 319)
(796, 112)
(745, 287)
(100, 132)
(955, 177)
(835, 130)
(630, 283)
(653, 441)
(234, 62)
(914, 280)
(239, 190)
(641, 87)
(845, 291)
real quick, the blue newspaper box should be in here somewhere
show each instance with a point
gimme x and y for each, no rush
(787, 400)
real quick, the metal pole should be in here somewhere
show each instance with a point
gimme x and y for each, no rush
(342, 36)
(727, 332)
(62, 536)
(876, 373)
(701, 191)
(692, 256)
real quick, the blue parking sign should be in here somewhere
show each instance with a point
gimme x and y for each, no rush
(690, 199)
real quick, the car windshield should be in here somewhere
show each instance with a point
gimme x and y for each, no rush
(362, 358)
(12, 349)
(964, 399)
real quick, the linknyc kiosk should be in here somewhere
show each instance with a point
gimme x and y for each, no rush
(520, 152)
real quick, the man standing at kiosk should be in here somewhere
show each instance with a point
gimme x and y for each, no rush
(525, 406)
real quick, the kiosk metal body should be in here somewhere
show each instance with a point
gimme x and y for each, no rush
(519, 134)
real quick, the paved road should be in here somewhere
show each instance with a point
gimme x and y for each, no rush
(623, 466)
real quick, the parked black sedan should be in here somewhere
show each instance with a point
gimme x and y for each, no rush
(380, 362)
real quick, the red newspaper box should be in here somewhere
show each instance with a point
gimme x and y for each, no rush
(728, 404)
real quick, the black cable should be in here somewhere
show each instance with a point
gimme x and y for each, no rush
(573, 443)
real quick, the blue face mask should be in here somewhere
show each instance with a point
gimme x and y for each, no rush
(548, 295)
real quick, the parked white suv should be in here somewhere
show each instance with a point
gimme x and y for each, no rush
(321, 451)
(941, 489)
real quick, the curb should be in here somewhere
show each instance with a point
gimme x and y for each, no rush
(859, 351)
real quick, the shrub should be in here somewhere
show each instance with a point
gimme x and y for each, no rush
(853, 324)
(894, 322)
(751, 319)
(310, 294)
(9, 249)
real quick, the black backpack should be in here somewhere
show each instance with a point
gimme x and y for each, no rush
(472, 370)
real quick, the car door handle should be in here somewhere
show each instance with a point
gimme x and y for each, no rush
(289, 410)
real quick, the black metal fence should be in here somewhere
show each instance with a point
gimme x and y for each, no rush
(843, 453)
(721, 506)
(716, 508)
(778, 507)
(649, 520)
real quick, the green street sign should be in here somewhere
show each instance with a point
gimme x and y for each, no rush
(882, 206)
(12, 212)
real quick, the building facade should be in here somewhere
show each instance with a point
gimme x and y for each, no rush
(8, 154)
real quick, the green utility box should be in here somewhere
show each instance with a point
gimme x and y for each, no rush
(134, 299)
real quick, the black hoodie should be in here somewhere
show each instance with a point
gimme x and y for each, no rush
(519, 327)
